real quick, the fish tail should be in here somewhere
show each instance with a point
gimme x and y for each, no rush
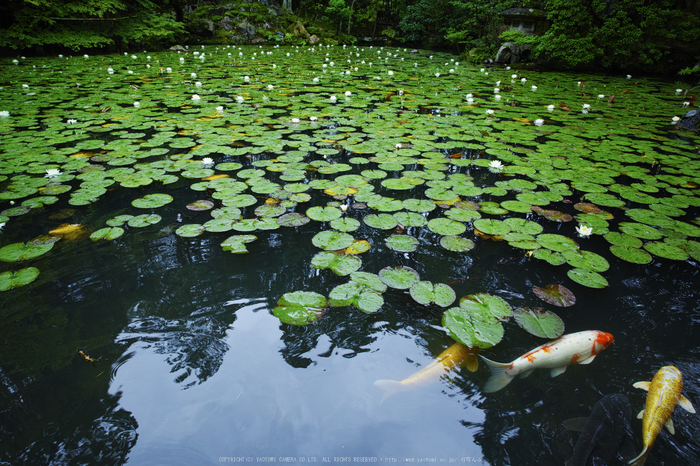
(471, 362)
(641, 459)
(389, 387)
(499, 378)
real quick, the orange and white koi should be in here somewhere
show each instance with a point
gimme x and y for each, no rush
(453, 357)
(575, 348)
(664, 394)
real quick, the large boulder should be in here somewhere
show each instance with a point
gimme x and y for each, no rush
(510, 52)
(298, 30)
(690, 121)
(177, 48)
(246, 31)
(226, 24)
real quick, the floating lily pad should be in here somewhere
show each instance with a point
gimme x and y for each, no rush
(465, 328)
(369, 280)
(266, 210)
(486, 307)
(539, 322)
(200, 205)
(345, 224)
(640, 230)
(587, 278)
(556, 242)
(446, 226)
(410, 219)
(665, 250)
(16, 252)
(300, 307)
(355, 294)
(10, 280)
(399, 277)
(236, 244)
(491, 226)
(107, 234)
(552, 257)
(293, 219)
(358, 247)
(623, 240)
(338, 262)
(426, 292)
(586, 260)
(144, 220)
(402, 243)
(152, 201)
(553, 215)
(557, 295)
(381, 221)
(631, 254)
(456, 243)
(190, 231)
(332, 240)
(323, 214)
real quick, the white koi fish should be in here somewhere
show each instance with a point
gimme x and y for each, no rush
(575, 348)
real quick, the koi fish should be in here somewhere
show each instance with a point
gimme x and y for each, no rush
(605, 434)
(88, 358)
(575, 348)
(454, 356)
(664, 394)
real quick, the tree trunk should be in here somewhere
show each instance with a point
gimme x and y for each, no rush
(287, 5)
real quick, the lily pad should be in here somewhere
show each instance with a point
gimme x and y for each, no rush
(108, 234)
(424, 292)
(399, 277)
(465, 328)
(236, 244)
(631, 254)
(402, 243)
(539, 322)
(152, 201)
(323, 214)
(446, 226)
(456, 243)
(557, 295)
(10, 280)
(586, 260)
(338, 262)
(23, 251)
(486, 307)
(293, 219)
(667, 251)
(368, 280)
(345, 224)
(491, 226)
(144, 220)
(332, 240)
(190, 231)
(300, 307)
(200, 205)
(556, 242)
(381, 221)
(587, 278)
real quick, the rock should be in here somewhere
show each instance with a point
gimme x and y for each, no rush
(313, 39)
(690, 121)
(246, 30)
(258, 41)
(298, 30)
(177, 48)
(227, 24)
(510, 52)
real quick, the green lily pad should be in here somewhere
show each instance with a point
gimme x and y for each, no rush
(293, 219)
(631, 254)
(557, 295)
(323, 214)
(152, 201)
(10, 280)
(345, 224)
(456, 243)
(381, 221)
(269, 210)
(623, 240)
(556, 242)
(426, 292)
(144, 220)
(236, 244)
(640, 230)
(368, 280)
(190, 231)
(553, 215)
(539, 322)
(107, 234)
(355, 294)
(491, 226)
(200, 205)
(520, 225)
(300, 307)
(402, 243)
(667, 251)
(399, 277)
(586, 260)
(465, 328)
(486, 307)
(587, 278)
(410, 219)
(446, 226)
(338, 262)
(332, 240)
(419, 205)
(16, 252)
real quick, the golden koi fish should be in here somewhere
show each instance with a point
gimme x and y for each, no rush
(453, 357)
(664, 394)
(575, 348)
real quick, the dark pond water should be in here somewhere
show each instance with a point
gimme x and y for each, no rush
(192, 367)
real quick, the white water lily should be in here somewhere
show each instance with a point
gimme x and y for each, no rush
(686, 104)
(25, 86)
(514, 76)
(110, 70)
(495, 166)
(137, 104)
(333, 98)
(343, 207)
(52, 172)
(86, 56)
(193, 75)
(550, 107)
(629, 76)
(206, 161)
(489, 112)
(534, 88)
(195, 97)
(539, 122)
(2, 225)
(198, 84)
(4, 113)
(313, 118)
(469, 96)
(675, 120)
(678, 91)
(391, 73)
(348, 93)
(15, 61)
(496, 90)
(584, 231)
(398, 145)
(168, 70)
(72, 121)
(437, 75)
(601, 96)
(524, 80)
(586, 106)
(316, 79)
(246, 79)
(220, 109)
(497, 97)
(270, 87)
(295, 120)
(470, 100)
(239, 98)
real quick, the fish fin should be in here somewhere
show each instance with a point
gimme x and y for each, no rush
(389, 387)
(640, 415)
(557, 371)
(684, 403)
(640, 459)
(525, 374)
(576, 424)
(472, 363)
(642, 385)
(499, 378)
(669, 427)
(588, 360)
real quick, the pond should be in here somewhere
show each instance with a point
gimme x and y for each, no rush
(212, 256)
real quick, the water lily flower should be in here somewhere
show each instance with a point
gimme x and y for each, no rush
(86, 56)
(495, 166)
(2, 225)
(168, 70)
(4, 113)
(198, 84)
(270, 87)
(437, 75)
(391, 73)
(239, 98)
(686, 104)
(469, 96)
(470, 100)
(246, 79)
(316, 79)
(550, 107)
(398, 145)
(333, 98)
(220, 109)
(343, 207)
(678, 91)
(72, 121)
(313, 118)
(496, 90)
(586, 106)
(295, 120)
(482, 70)
(489, 112)
(675, 120)
(629, 76)
(137, 104)
(601, 96)
(514, 76)
(195, 97)
(206, 161)
(25, 86)
(584, 231)
(452, 70)
(110, 70)
(539, 122)
(52, 172)
(524, 80)
(348, 93)
(15, 61)
(497, 97)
